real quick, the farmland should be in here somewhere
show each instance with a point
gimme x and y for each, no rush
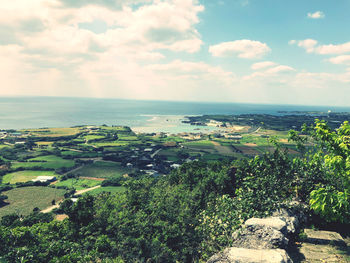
(45, 162)
(24, 200)
(78, 183)
(86, 156)
(101, 169)
(110, 189)
(25, 176)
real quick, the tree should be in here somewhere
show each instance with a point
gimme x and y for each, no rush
(330, 198)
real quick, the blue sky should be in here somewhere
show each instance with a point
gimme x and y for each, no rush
(256, 51)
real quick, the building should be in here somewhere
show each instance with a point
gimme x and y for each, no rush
(44, 179)
(175, 166)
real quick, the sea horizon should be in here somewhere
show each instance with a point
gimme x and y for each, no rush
(42, 111)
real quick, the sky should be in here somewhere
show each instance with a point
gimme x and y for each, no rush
(252, 51)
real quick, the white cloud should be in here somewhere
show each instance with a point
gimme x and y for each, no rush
(74, 60)
(308, 45)
(311, 46)
(261, 65)
(270, 71)
(279, 69)
(316, 15)
(344, 59)
(244, 48)
(333, 49)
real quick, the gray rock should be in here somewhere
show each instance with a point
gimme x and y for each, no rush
(273, 222)
(244, 255)
(324, 237)
(259, 237)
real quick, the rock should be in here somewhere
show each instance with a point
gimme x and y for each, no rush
(324, 237)
(244, 255)
(259, 237)
(273, 222)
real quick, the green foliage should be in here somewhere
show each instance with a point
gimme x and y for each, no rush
(189, 214)
(331, 157)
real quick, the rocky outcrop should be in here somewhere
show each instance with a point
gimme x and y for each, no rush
(259, 237)
(263, 239)
(244, 255)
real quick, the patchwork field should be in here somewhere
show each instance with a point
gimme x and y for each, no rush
(102, 169)
(113, 143)
(53, 132)
(201, 146)
(45, 162)
(25, 176)
(110, 189)
(21, 200)
(78, 184)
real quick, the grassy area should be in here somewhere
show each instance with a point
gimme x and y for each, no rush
(111, 189)
(201, 146)
(93, 137)
(117, 128)
(44, 143)
(45, 162)
(127, 137)
(25, 176)
(78, 184)
(102, 169)
(53, 132)
(79, 154)
(113, 143)
(3, 146)
(23, 200)
(170, 154)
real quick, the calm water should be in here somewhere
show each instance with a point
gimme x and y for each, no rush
(147, 116)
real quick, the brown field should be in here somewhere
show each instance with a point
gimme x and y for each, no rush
(250, 144)
(53, 132)
(248, 150)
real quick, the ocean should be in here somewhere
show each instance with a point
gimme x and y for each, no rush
(141, 116)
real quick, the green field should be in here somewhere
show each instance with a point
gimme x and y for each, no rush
(53, 132)
(111, 189)
(93, 137)
(45, 162)
(23, 200)
(113, 143)
(117, 128)
(3, 146)
(78, 184)
(201, 146)
(24, 176)
(102, 169)
(127, 137)
(76, 154)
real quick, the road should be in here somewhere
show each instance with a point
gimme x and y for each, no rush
(50, 208)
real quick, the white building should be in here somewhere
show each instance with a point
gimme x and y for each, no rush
(44, 179)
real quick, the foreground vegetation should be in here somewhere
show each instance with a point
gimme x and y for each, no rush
(192, 212)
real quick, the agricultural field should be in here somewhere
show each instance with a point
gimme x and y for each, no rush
(123, 137)
(110, 189)
(115, 128)
(93, 137)
(23, 200)
(43, 143)
(78, 183)
(53, 132)
(25, 176)
(45, 162)
(102, 169)
(110, 144)
(200, 146)
(79, 154)
(3, 146)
